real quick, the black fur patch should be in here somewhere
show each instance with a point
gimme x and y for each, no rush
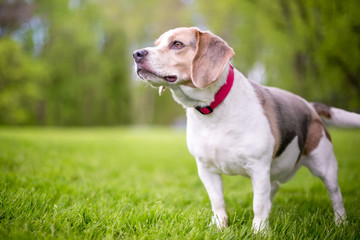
(293, 118)
(292, 114)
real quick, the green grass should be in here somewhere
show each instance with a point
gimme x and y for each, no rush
(139, 183)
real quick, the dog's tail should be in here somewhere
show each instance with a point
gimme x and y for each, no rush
(337, 117)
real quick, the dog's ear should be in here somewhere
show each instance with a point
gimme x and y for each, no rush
(212, 55)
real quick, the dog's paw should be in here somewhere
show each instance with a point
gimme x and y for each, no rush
(340, 220)
(260, 226)
(219, 221)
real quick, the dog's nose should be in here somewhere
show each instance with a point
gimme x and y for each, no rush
(139, 54)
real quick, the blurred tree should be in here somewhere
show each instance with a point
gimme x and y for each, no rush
(89, 83)
(71, 64)
(75, 89)
(13, 14)
(310, 48)
(141, 22)
(22, 82)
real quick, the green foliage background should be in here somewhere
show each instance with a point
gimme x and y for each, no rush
(69, 62)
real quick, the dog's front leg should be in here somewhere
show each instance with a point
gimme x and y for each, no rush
(213, 184)
(262, 200)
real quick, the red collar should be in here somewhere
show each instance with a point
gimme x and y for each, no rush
(220, 95)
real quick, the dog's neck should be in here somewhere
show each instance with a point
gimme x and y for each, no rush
(190, 97)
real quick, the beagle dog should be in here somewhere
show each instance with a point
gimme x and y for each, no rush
(238, 127)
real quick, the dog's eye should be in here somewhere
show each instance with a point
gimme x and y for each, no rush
(177, 45)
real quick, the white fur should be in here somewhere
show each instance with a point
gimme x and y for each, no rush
(282, 167)
(343, 118)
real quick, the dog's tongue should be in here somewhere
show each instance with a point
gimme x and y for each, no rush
(161, 90)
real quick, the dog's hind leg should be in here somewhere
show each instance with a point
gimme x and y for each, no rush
(322, 163)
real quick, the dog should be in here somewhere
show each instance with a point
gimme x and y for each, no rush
(238, 127)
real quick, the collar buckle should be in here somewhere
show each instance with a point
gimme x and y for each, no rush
(204, 110)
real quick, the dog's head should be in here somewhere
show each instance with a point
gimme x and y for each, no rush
(185, 56)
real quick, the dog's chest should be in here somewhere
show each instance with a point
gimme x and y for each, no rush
(219, 152)
(229, 147)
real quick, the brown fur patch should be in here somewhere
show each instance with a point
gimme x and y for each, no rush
(317, 127)
(267, 104)
(322, 109)
(314, 136)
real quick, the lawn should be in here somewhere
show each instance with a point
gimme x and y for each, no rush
(141, 183)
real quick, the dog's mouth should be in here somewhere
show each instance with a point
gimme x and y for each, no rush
(145, 74)
(171, 78)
